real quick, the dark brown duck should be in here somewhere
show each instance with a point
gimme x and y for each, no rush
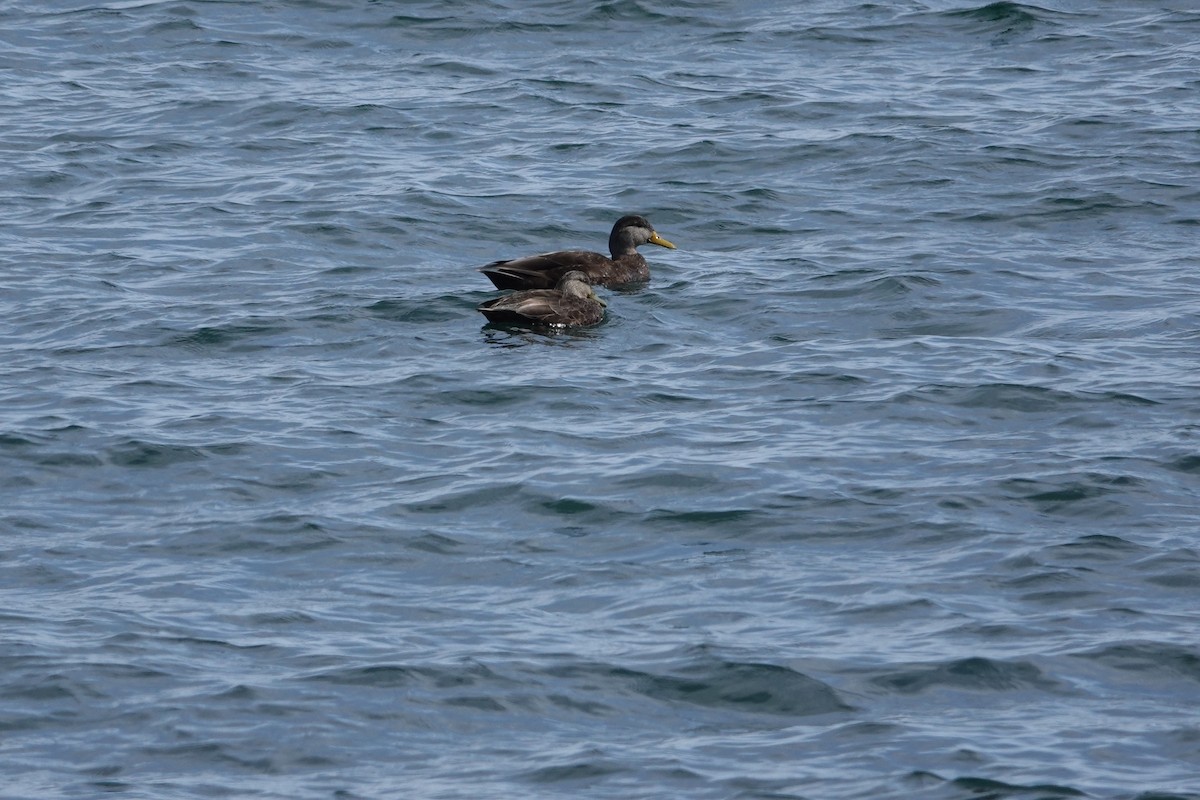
(570, 304)
(546, 270)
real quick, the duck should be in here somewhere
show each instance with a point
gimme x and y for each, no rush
(546, 270)
(571, 303)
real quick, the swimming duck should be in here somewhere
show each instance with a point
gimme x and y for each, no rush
(571, 303)
(546, 270)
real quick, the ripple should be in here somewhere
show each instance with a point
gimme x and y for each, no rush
(905, 428)
(742, 687)
(977, 674)
(1151, 657)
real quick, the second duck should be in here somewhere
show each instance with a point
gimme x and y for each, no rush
(570, 304)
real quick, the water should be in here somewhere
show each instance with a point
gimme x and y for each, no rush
(885, 486)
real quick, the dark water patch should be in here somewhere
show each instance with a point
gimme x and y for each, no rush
(186, 26)
(1189, 464)
(972, 674)
(1008, 21)
(574, 705)
(1096, 486)
(273, 619)
(464, 500)
(757, 688)
(1026, 398)
(575, 517)
(729, 520)
(382, 676)
(212, 755)
(899, 610)
(568, 507)
(492, 399)
(1066, 599)
(669, 479)
(1185, 580)
(1042, 580)
(388, 676)
(628, 10)
(233, 338)
(742, 687)
(477, 703)
(990, 789)
(1003, 11)
(434, 543)
(63, 459)
(669, 399)
(871, 288)
(426, 309)
(1149, 657)
(866, 284)
(152, 455)
(272, 533)
(1089, 495)
(52, 689)
(110, 786)
(1095, 548)
(1174, 564)
(573, 772)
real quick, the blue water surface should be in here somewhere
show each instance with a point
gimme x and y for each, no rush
(884, 486)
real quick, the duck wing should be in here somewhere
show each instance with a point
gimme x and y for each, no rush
(545, 270)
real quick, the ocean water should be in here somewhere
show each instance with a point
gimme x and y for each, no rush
(887, 485)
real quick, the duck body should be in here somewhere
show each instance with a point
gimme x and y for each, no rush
(571, 303)
(626, 265)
